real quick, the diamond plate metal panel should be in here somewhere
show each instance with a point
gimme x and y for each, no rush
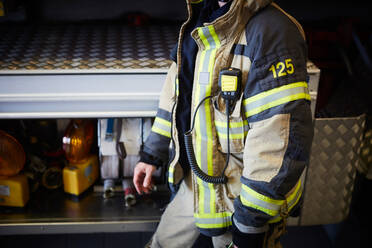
(331, 173)
(85, 46)
(365, 167)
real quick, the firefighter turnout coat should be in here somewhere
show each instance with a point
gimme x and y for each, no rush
(270, 125)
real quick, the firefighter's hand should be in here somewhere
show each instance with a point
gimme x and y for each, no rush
(142, 177)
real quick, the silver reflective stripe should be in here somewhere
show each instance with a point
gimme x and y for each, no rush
(203, 126)
(170, 178)
(162, 126)
(250, 229)
(275, 96)
(258, 202)
(209, 37)
(214, 220)
(291, 204)
(170, 174)
(235, 130)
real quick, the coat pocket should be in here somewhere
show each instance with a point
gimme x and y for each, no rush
(238, 126)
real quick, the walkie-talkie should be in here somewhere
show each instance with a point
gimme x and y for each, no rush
(230, 81)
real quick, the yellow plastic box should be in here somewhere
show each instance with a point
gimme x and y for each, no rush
(14, 191)
(79, 177)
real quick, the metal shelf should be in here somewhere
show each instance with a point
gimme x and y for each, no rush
(87, 70)
(52, 212)
(98, 95)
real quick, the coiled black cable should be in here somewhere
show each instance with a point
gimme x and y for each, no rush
(191, 155)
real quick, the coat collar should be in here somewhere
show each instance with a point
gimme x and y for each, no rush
(232, 23)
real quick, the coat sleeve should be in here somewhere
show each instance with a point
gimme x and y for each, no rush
(156, 147)
(277, 106)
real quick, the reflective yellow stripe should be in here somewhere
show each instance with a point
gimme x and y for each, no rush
(204, 135)
(171, 173)
(261, 197)
(163, 121)
(203, 39)
(233, 136)
(198, 139)
(213, 220)
(293, 194)
(196, 1)
(212, 215)
(211, 226)
(161, 131)
(215, 37)
(289, 200)
(273, 91)
(231, 124)
(258, 207)
(266, 204)
(277, 103)
(177, 87)
(209, 119)
(275, 97)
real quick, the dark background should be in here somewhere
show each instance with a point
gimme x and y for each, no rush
(339, 42)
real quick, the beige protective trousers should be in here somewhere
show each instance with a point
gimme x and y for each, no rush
(177, 226)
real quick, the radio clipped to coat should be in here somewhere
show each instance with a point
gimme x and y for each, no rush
(230, 90)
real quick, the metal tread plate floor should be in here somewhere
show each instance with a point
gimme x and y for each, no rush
(83, 71)
(74, 47)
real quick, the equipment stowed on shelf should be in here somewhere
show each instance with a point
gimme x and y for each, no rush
(120, 141)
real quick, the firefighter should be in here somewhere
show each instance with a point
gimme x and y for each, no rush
(270, 127)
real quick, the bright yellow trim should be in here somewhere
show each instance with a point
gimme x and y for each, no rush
(160, 131)
(294, 204)
(212, 194)
(196, 1)
(177, 87)
(233, 136)
(289, 199)
(208, 126)
(201, 195)
(277, 219)
(212, 215)
(210, 226)
(231, 124)
(273, 91)
(261, 197)
(212, 31)
(198, 137)
(252, 205)
(170, 176)
(222, 215)
(203, 39)
(209, 118)
(294, 193)
(163, 121)
(277, 103)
